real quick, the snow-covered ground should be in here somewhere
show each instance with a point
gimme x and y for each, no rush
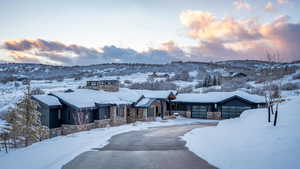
(250, 142)
(55, 152)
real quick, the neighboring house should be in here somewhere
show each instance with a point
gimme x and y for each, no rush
(216, 105)
(159, 75)
(111, 85)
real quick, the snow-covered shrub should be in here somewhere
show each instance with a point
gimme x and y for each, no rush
(232, 85)
(127, 81)
(184, 76)
(290, 86)
(188, 89)
(296, 77)
(37, 91)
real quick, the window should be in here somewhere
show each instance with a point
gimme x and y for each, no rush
(120, 111)
(59, 114)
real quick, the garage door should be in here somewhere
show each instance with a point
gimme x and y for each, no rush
(199, 112)
(233, 111)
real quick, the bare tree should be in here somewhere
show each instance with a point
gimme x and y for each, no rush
(272, 87)
(80, 120)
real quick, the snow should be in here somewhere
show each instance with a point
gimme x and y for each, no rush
(84, 98)
(214, 97)
(55, 152)
(145, 102)
(158, 94)
(48, 100)
(250, 142)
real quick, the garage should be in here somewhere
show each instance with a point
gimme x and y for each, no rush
(233, 111)
(199, 111)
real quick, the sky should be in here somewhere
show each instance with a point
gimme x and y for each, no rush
(77, 32)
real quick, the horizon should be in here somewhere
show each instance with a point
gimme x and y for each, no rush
(146, 32)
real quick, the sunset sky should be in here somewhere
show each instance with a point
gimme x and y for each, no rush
(77, 32)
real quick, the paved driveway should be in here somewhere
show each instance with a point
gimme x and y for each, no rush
(155, 148)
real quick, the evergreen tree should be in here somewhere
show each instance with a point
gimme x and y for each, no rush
(25, 121)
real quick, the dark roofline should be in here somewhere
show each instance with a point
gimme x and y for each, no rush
(241, 98)
(222, 101)
(51, 106)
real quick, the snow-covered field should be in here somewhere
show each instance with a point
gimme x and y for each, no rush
(55, 152)
(250, 142)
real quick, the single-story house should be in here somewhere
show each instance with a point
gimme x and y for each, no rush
(81, 106)
(215, 105)
(120, 107)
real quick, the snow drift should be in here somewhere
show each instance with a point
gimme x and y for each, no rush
(250, 142)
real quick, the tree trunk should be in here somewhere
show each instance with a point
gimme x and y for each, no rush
(269, 114)
(272, 109)
(276, 115)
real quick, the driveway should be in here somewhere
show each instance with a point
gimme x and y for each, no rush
(154, 148)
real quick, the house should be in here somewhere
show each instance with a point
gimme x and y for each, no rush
(99, 108)
(158, 75)
(104, 84)
(113, 108)
(215, 105)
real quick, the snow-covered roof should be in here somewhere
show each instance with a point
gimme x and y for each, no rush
(83, 98)
(157, 94)
(47, 99)
(145, 102)
(215, 97)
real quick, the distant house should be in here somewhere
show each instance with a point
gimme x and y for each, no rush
(159, 75)
(106, 85)
(216, 105)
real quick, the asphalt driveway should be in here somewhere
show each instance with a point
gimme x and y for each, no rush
(155, 148)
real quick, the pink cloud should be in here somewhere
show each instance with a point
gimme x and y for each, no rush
(228, 38)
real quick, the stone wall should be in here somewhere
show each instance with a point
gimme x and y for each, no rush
(102, 123)
(214, 115)
(55, 132)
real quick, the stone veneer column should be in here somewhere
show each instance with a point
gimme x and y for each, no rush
(113, 114)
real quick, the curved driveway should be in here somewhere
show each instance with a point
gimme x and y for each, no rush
(155, 148)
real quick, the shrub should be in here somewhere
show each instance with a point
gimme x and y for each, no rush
(37, 91)
(296, 77)
(127, 81)
(290, 86)
(188, 89)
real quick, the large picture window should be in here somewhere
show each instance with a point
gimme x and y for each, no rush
(104, 112)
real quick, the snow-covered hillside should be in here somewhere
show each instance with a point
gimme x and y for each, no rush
(250, 141)
(55, 152)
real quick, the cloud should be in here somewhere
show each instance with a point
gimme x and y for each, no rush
(204, 25)
(228, 38)
(240, 4)
(282, 1)
(270, 7)
(53, 52)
